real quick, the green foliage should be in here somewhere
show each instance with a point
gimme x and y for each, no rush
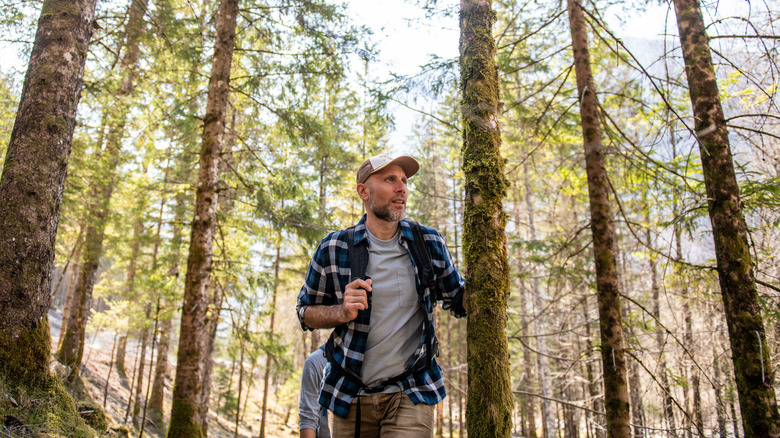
(762, 194)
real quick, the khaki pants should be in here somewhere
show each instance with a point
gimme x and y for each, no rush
(385, 416)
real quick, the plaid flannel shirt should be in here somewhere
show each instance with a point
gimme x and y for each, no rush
(327, 277)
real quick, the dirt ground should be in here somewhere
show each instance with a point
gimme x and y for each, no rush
(95, 368)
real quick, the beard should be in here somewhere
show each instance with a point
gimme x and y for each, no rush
(384, 212)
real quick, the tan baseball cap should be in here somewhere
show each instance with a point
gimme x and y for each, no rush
(378, 162)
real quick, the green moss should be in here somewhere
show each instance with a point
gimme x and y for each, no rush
(42, 410)
(182, 424)
(26, 358)
(93, 415)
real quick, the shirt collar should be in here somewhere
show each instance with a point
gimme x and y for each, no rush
(362, 234)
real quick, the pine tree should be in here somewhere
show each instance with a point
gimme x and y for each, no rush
(616, 398)
(72, 348)
(187, 413)
(32, 182)
(749, 347)
(490, 401)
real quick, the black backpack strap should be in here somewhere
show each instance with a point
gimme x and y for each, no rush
(422, 259)
(358, 256)
(421, 256)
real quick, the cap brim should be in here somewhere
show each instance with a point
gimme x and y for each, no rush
(409, 165)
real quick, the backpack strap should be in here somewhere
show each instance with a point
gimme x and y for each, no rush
(421, 256)
(358, 255)
(422, 259)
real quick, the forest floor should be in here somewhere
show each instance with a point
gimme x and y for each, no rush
(95, 369)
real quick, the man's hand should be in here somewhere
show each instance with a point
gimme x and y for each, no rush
(355, 300)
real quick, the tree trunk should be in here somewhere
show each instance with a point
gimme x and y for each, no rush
(156, 409)
(754, 375)
(616, 399)
(637, 410)
(528, 413)
(490, 400)
(240, 383)
(72, 348)
(74, 275)
(660, 345)
(734, 419)
(187, 412)
(212, 321)
(32, 182)
(720, 407)
(139, 384)
(267, 378)
(108, 376)
(545, 380)
(121, 352)
(597, 401)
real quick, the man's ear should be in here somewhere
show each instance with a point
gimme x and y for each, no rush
(362, 191)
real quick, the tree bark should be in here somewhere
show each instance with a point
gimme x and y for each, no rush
(660, 345)
(160, 372)
(108, 376)
(526, 381)
(69, 299)
(616, 399)
(540, 323)
(121, 353)
(490, 400)
(139, 383)
(212, 321)
(32, 182)
(72, 348)
(187, 412)
(754, 375)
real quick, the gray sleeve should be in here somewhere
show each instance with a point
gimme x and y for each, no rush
(311, 381)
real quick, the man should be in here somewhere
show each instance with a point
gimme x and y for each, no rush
(313, 420)
(382, 378)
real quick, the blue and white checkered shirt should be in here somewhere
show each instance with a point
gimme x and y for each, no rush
(327, 277)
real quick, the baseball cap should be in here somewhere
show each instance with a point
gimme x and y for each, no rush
(378, 162)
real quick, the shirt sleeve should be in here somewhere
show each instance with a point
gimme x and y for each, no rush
(311, 380)
(449, 282)
(317, 287)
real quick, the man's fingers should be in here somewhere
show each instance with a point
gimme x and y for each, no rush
(359, 284)
(356, 297)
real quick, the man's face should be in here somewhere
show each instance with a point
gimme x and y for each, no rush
(387, 191)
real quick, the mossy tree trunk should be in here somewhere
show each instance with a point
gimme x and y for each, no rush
(616, 398)
(490, 401)
(186, 414)
(32, 182)
(72, 348)
(752, 364)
